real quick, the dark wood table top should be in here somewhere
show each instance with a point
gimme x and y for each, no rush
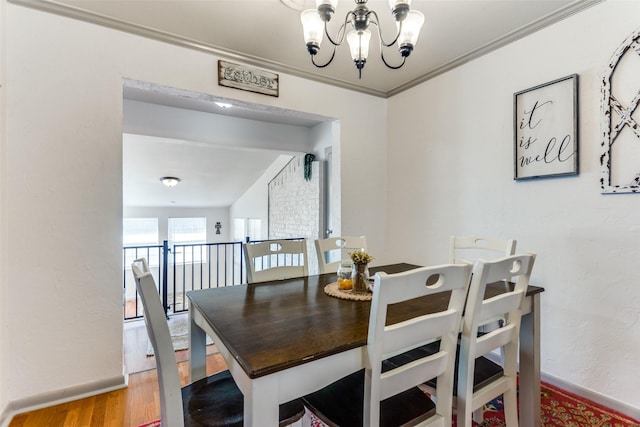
(272, 326)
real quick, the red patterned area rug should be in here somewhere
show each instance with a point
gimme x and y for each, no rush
(561, 408)
(558, 408)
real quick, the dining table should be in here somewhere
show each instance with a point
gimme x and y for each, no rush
(284, 339)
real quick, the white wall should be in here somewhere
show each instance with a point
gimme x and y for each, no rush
(64, 120)
(4, 349)
(214, 129)
(295, 206)
(321, 137)
(325, 136)
(254, 203)
(457, 178)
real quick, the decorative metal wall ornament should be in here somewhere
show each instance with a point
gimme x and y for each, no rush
(620, 122)
(545, 129)
(308, 163)
(246, 78)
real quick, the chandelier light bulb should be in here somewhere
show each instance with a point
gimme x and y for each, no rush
(313, 29)
(410, 31)
(359, 46)
(399, 9)
(394, 3)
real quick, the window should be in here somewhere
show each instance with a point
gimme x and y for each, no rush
(140, 231)
(191, 232)
(250, 227)
(184, 231)
(254, 229)
(239, 225)
(138, 234)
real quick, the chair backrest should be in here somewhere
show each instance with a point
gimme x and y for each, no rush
(470, 248)
(385, 341)
(479, 311)
(275, 260)
(158, 330)
(332, 250)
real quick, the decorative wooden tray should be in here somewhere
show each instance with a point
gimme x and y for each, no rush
(332, 290)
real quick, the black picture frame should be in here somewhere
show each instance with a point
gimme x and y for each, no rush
(545, 128)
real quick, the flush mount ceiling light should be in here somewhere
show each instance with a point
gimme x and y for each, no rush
(170, 181)
(314, 24)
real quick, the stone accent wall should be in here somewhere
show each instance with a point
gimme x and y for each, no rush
(294, 206)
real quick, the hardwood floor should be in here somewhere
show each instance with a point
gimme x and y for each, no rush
(135, 348)
(136, 404)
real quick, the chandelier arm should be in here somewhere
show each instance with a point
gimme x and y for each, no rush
(393, 67)
(333, 54)
(341, 32)
(375, 22)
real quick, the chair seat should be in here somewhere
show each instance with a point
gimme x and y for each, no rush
(485, 372)
(330, 405)
(217, 401)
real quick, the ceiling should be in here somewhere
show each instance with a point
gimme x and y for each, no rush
(210, 176)
(267, 34)
(218, 153)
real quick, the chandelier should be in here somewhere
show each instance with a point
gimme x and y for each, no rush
(314, 24)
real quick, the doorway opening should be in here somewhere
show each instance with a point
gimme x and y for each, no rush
(224, 158)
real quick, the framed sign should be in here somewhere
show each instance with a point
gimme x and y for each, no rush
(545, 121)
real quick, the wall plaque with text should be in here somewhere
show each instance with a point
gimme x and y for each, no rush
(247, 78)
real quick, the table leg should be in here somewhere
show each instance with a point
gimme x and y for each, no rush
(530, 366)
(261, 402)
(197, 349)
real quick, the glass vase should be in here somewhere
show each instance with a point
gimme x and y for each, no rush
(345, 274)
(360, 278)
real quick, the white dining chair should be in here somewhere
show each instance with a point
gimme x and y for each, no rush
(470, 248)
(212, 401)
(384, 395)
(478, 311)
(332, 250)
(479, 378)
(275, 260)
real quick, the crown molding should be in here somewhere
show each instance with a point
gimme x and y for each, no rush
(69, 11)
(55, 7)
(545, 21)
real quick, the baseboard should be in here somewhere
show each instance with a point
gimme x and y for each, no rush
(58, 397)
(615, 405)
(600, 399)
(5, 416)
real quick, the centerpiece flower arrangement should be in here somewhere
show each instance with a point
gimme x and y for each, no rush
(360, 257)
(359, 276)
